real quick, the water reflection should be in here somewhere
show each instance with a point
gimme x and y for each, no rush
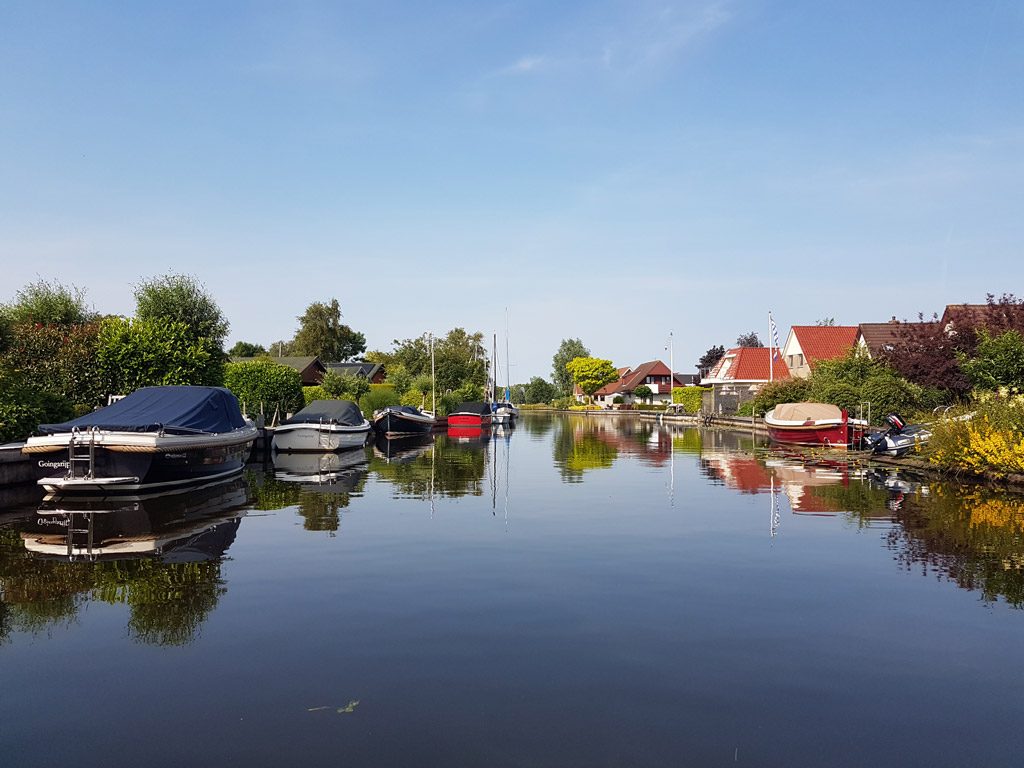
(971, 535)
(318, 485)
(161, 556)
(445, 465)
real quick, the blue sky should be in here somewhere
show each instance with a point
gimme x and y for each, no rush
(606, 170)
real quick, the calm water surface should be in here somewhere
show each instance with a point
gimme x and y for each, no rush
(576, 592)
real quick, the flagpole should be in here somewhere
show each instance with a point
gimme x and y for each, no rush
(771, 357)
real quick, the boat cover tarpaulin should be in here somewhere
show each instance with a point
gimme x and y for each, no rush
(175, 410)
(476, 408)
(405, 409)
(343, 412)
(807, 412)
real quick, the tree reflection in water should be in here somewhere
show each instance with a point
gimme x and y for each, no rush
(160, 557)
(447, 467)
(319, 486)
(971, 535)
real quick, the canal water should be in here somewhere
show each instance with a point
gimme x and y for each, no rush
(578, 591)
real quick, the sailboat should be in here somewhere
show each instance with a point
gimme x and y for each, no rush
(504, 411)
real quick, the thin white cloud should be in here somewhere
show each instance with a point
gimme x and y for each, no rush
(525, 65)
(633, 41)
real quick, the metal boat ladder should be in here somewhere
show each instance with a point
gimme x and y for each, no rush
(88, 531)
(82, 454)
(323, 436)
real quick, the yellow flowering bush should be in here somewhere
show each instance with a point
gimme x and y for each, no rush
(992, 441)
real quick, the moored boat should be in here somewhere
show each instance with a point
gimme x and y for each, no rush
(403, 420)
(900, 439)
(155, 438)
(470, 414)
(505, 413)
(323, 425)
(814, 424)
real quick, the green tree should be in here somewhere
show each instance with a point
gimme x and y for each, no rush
(749, 340)
(568, 351)
(182, 299)
(643, 392)
(423, 386)
(710, 359)
(263, 385)
(399, 377)
(322, 333)
(591, 373)
(142, 353)
(345, 385)
(47, 303)
(998, 362)
(57, 359)
(246, 349)
(539, 390)
(460, 360)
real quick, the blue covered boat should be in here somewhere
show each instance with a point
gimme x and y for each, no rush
(156, 437)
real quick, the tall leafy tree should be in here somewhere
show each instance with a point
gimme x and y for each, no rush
(48, 303)
(568, 351)
(538, 390)
(749, 340)
(322, 333)
(710, 359)
(459, 357)
(246, 349)
(931, 352)
(182, 299)
(591, 373)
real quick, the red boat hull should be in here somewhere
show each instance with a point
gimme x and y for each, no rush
(469, 420)
(834, 435)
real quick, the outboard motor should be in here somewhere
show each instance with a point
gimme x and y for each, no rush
(895, 422)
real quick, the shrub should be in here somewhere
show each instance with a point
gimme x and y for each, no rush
(23, 408)
(784, 391)
(889, 393)
(345, 385)
(379, 396)
(59, 359)
(691, 398)
(998, 362)
(618, 400)
(746, 409)
(992, 441)
(265, 385)
(309, 394)
(143, 353)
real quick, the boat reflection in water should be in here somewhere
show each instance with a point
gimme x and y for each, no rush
(448, 466)
(320, 469)
(318, 485)
(159, 556)
(193, 525)
(401, 449)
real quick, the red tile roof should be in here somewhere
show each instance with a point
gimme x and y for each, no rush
(749, 364)
(825, 342)
(642, 371)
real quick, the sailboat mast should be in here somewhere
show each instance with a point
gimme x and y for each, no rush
(508, 365)
(494, 370)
